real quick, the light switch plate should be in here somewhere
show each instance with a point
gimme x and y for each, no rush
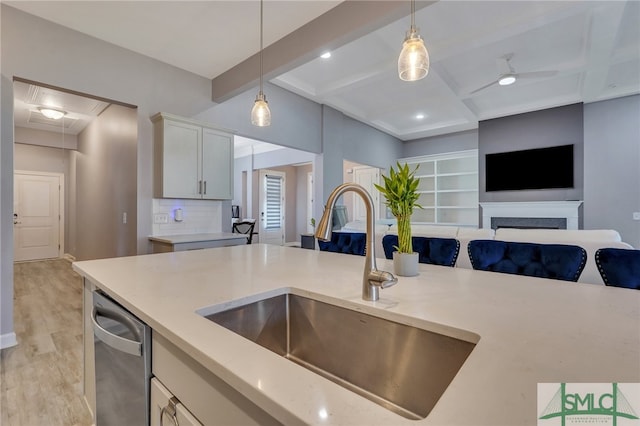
(160, 218)
(636, 215)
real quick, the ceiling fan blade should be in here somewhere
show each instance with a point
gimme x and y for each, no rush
(484, 87)
(537, 74)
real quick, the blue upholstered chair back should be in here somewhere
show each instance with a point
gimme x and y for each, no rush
(436, 251)
(345, 242)
(557, 261)
(619, 267)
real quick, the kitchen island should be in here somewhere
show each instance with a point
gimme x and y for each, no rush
(528, 330)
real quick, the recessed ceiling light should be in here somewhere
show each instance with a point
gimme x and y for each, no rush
(51, 113)
(326, 55)
(419, 116)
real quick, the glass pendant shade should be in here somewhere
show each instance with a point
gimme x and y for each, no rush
(260, 114)
(413, 63)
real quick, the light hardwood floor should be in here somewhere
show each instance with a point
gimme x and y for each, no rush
(41, 377)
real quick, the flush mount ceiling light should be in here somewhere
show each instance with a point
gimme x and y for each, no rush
(51, 113)
(413, 63)
(419, 116)
(326, 55)
(260, 114)
(507, 79)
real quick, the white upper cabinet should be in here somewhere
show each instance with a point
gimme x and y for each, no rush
(192, 159)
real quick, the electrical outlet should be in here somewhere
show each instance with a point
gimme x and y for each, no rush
(636, 215)
(160, 218)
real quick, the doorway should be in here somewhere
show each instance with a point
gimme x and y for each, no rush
(92, 143)
(272, 199)
(366, 177)
(38, 218)
(311, 228)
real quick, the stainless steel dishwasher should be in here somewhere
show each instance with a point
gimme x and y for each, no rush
(123, 364)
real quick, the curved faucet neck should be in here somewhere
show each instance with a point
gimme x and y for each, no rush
(372, 279)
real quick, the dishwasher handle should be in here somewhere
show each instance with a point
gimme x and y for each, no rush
(131, 347)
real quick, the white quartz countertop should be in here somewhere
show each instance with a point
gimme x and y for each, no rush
(195, 238)
(530, 330)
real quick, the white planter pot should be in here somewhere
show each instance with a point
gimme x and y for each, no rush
(405, 264)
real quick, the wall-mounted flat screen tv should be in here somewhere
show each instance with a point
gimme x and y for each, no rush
(540, 168)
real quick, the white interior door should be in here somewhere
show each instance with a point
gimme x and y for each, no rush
(37, 216)
(272, 218)
(366, 177)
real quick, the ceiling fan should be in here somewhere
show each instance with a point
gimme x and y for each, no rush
(507, 75)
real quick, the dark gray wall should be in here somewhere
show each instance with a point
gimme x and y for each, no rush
(546, 128)
(612, 166)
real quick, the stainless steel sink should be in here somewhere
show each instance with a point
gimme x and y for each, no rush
(400, 367)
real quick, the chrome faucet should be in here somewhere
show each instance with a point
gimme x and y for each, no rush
(373, 279)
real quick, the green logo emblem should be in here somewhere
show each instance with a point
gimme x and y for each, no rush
(582, 404)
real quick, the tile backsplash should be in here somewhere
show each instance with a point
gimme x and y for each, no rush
(198, 216)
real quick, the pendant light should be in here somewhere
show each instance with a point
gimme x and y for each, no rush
(413, 63)
(260, 114)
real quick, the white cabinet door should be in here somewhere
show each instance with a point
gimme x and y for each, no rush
(217, 165)
(192, 160)
(181, 166)
(161, 399)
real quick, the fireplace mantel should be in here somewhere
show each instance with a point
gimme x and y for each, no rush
(532, 209)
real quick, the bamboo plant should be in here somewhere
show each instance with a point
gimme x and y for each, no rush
(400, 190)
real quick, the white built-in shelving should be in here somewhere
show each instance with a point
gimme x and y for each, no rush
(448, 188)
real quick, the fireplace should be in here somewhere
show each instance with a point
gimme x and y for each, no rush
(534, 214)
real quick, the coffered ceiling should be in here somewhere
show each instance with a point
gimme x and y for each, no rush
(590, 48)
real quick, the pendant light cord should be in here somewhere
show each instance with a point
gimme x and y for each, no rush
(261, 6)
(413, 15)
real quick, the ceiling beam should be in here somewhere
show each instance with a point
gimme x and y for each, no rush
(344, 23)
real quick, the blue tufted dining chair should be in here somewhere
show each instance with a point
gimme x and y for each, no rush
(619, 267)
(556, 261)
(345, 242)
(435, 251)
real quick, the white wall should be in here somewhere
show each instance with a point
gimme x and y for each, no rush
(199, 216)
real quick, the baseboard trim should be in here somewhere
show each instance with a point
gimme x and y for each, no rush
(8, 340)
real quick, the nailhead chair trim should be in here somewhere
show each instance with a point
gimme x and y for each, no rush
(619, 267)
(556, 261)
(431, 250)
